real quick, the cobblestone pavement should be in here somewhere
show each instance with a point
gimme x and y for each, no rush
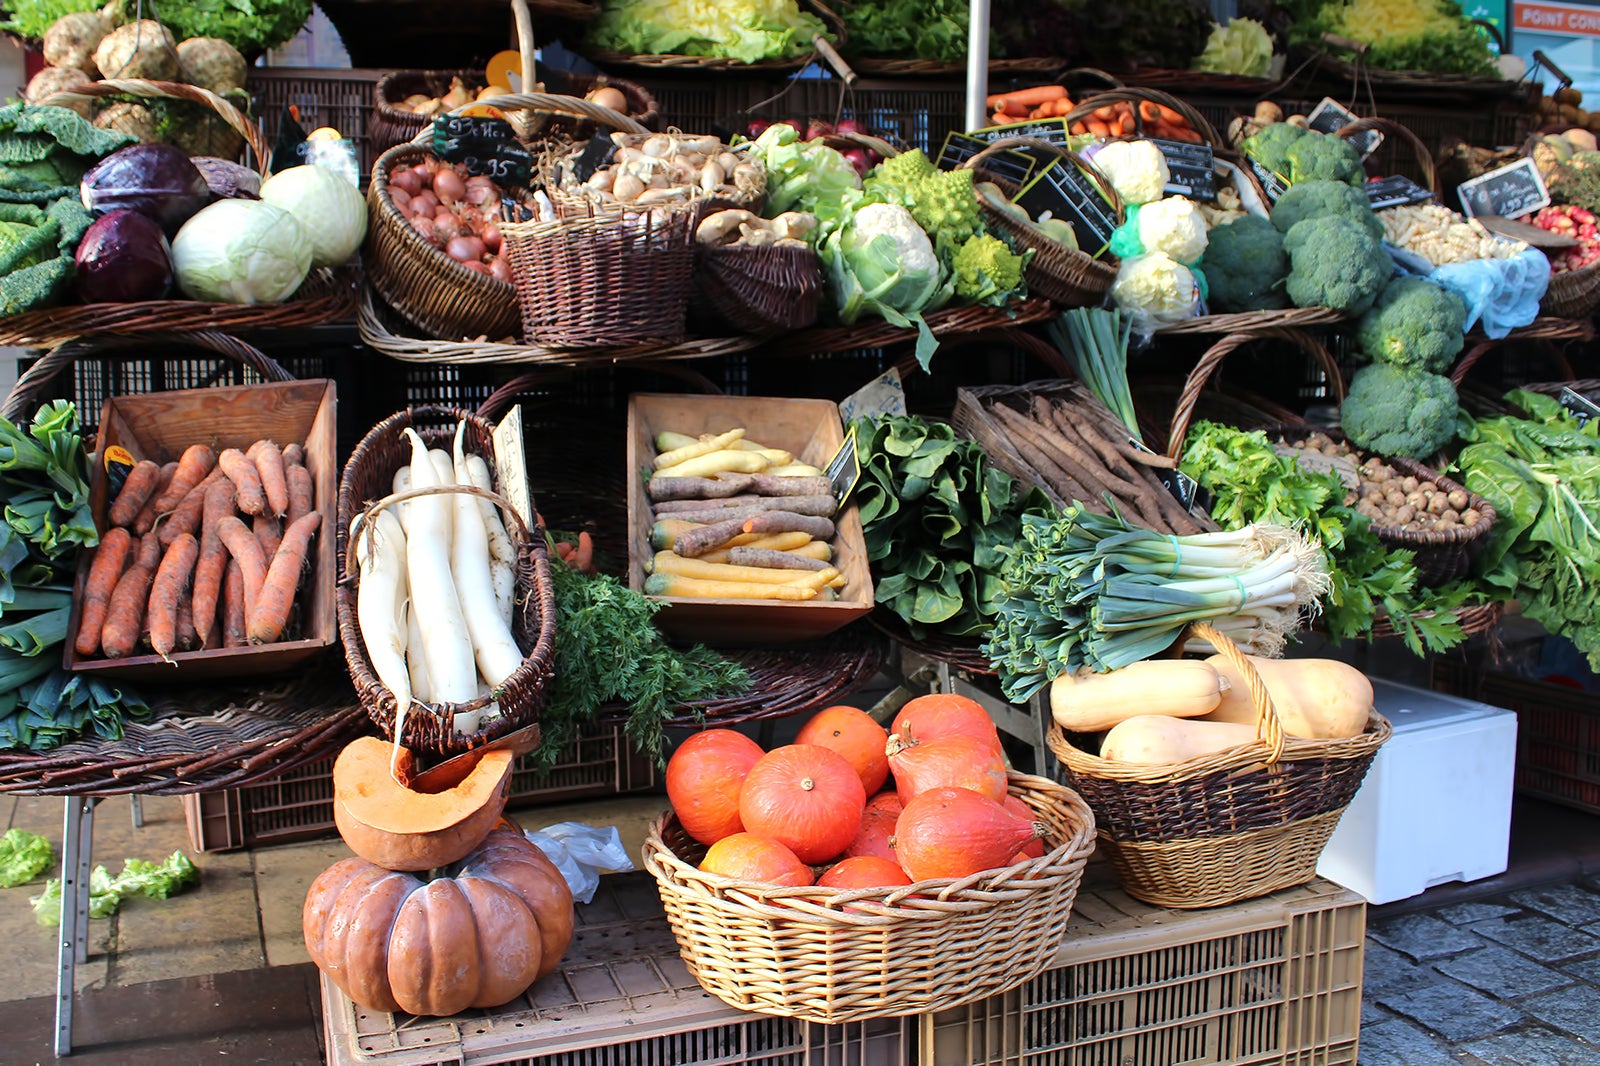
(1506, 980)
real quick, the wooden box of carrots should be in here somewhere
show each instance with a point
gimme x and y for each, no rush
(732, 521)
(245, 482)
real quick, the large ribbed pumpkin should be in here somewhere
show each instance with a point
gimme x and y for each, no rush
(475, 937)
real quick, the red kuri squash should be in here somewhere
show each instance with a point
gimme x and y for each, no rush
(704, 777)
(940, 714)
(958, 760)
(853, 733)
(1034, 848)
(954, 832)
(877, 827)
(864, 871)
(752, 857)
(806, 797)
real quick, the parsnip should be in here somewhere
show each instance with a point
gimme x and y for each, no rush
(502, 555)
(446, 646)
(496, 652)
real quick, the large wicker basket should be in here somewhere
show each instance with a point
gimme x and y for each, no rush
(1229, 825)
(368, 476)
(831, 955)
(758, 290)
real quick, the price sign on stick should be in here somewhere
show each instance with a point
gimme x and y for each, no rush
(483, 145)
(1510, 192)
(1192, 167)
(1331, 117)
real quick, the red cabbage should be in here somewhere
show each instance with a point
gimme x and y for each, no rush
(156, 180)
(123, 258)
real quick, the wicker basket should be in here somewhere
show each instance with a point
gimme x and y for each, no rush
(390, 124)
(573, 199)
(1573, 293)
(1442, 556)
(1229, 825)
(1395, 130)
(368, 476)
(1064, 276)
(832, 955)
(1136, 96)
(758, 290)
(431, 290)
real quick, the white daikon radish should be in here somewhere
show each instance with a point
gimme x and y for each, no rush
(380, 596)
(446, 472)
(445, 646)
(502, 555)
(416, 662)
(496, 651)
(402, 483)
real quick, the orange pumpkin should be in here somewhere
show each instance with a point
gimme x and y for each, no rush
(751, 857)
(876, 835)
(1035, 847)
(703, 780)
(853, 733)
(805, 797)
(864, 871)
(957, 760)
(955, 832)
(940, 714)
(476, 937)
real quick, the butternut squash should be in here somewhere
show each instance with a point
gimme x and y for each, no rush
(1159, 739)
(1315, 698)
(1087, 702)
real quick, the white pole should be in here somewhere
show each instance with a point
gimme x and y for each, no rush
(977, 64)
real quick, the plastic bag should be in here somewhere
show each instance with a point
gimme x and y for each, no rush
(1500, 294)
(582, 853)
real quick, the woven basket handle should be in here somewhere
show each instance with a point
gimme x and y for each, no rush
(26, 392)
(558, 105)
(1269, 727)
(1558, 358)
(1062, 77)
(975, 162)
(1208, 363)
(1135, 95)
(1388, 127)
(171, 90)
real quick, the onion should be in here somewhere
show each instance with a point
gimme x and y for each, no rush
(477, 266)
(491, 237)
(402, 200)
(464, 249)
(448, 186)
(424, 226)
(499, 269)
(481, 195)
(424, 203)
(447, 227)
(405, 179)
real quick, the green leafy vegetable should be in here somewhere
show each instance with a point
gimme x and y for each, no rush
(900, 29)
(251, 26)
(23, 856)
(937, 516)
(746, 30)
(608, 649)
(138, 878)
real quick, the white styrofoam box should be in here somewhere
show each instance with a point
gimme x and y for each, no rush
(1436, 803)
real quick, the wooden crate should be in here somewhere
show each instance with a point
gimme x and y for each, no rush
(812, 432)
(159, 426)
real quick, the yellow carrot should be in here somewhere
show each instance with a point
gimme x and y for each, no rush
(704, 446)
(699, 588)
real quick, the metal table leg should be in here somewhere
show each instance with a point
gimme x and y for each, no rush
(77, 847)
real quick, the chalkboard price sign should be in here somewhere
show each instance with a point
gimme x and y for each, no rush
(1271, 184)
(483, 145)
(1331, 117)
(1394, 191)
(1510, 192)
(1192, 167)
(1064, 191)
(1012, 165)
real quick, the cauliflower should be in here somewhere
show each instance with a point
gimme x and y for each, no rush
(1414, 324)
(1333, 262)
(1309, 199)
(943, 202)
(881, 259)
(1245, 265)
(1136, 169)
(212, 64)
(1174, 226)
(1394, 411)
(1322, 156)
(1156, 289)
(142, 49)
(987, 271)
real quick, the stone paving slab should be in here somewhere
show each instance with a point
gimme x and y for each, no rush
(1503, 973)
(1571, 904)
(1538, 937)
(1423, 936)
(1452, 1010)
(1531, 1047)
(1403, 1043)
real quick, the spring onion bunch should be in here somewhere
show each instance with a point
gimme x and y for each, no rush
(1095, 342)
(1088, 590)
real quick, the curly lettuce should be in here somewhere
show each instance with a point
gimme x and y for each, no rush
(746, 30)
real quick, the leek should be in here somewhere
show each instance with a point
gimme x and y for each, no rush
(1095, 342)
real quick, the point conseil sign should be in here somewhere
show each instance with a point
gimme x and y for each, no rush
(1568, 19)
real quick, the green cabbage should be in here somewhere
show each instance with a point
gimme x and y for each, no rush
(880, 262)
(23, 856)
(1241, 47)
(332, 210)
(241, 252)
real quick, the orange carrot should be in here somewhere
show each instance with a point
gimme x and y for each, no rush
(233, 633)
(1098, 128)
(213, 558)
(265, 624)
(1115, 127)
(194, 464)
(246, 551)
(149, 553)
(125, 613)
(294, 455)
(269, 465)
(1172, 117)
(185, 518)
(302, 493)
(1105, 113)
(171, 576)
(269, 532)
(583, 557)
(137, 488)
(188, 639)
(1149, 111)
(1038, 94)
(109, 559)
(145, 520)
(1000, 118)
(246, 481)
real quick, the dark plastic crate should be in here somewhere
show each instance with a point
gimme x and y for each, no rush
(338, 98)
(299, 805)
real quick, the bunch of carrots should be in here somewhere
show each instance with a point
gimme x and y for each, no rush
(1117, 119)
(180, 570)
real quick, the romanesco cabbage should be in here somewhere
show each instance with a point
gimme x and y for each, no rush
(987, 271)
(942, 201)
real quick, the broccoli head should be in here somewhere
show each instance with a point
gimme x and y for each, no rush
(1245, 265)
(943, 202)
(1270, 145)
(1414, 324)
(1324, 157)
(1309, 199)
(1333, 262)
(1393, 411)
(986, 270)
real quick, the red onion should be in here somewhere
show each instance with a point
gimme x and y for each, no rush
(464, 249)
